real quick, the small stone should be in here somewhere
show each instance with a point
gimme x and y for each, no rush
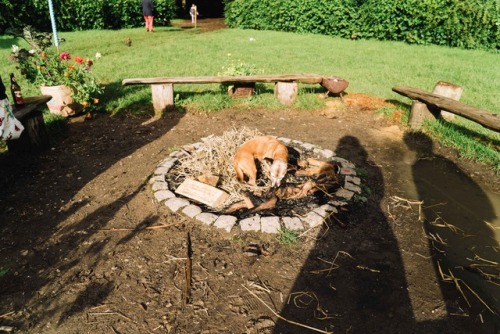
(324, 210)
(176, 154)
(270, 224)
(355, 180)
(161, 170)
(174, 204)
(250, 224)
(347, 164)
(24, 252)
(312, 219)
(157, 178)
(340, 160)
(347, 171)
(308, 147)
(160, 185)
(352, 187)
(191, 210)
(225, 222)
(292, 223)
(347, 194)
(284, 140)
(168, 162)
(206, 218)
(163, 195)
(328, 153)
(337, 203)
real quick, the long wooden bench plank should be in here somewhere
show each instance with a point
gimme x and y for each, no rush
(302, 78)
(485, 118)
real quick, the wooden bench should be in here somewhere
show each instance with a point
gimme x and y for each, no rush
(285, 85)
(34, 136)
(429, 105)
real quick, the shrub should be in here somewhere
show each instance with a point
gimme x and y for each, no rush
(82, 14)
(456, 23)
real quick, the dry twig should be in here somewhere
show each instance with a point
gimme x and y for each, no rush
(283, 318)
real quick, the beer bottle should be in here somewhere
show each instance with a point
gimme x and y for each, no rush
(15, 89)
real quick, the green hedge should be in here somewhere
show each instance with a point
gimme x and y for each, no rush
(81, 14)
(456, 23)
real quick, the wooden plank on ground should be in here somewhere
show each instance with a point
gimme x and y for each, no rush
(302, 78)
(203, 193)
(485, 118)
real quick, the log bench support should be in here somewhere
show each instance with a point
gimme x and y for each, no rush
(285, 90)
(163, 98)
(430, 105)
(420, 112)
(34, 136)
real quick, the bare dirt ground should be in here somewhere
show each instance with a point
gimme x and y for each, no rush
(85, 248)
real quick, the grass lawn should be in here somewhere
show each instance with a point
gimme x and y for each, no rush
(371, 67)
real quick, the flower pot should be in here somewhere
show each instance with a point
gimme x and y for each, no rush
(62, 102)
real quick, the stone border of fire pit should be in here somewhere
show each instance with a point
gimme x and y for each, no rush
(265, 224)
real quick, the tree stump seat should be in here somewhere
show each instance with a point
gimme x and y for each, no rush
(35, 136)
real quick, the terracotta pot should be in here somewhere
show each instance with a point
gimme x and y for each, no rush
(61, 103)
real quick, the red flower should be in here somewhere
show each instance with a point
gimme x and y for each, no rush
(64, 56)
(79, 60)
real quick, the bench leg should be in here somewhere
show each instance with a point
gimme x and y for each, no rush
(418, 114)
(163, 98)
(421, 112)
(286, 92)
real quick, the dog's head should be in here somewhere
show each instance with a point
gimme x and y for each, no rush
(278, 171)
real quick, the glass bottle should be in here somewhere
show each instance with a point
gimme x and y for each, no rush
(15, 89)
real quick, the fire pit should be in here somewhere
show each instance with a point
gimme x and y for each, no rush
(199, 181)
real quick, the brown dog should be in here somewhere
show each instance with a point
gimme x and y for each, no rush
(263, 147)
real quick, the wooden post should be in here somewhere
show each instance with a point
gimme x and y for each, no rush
(163, 98)
(286, 92)
(420, 112)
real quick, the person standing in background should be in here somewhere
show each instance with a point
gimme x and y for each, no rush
(193, 11)
(147, 11)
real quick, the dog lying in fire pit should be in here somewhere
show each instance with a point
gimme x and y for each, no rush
(262, 148)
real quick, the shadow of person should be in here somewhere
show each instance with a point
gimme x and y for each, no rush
(353, 279)
(458, 218)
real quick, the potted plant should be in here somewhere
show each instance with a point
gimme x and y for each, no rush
(67, 78)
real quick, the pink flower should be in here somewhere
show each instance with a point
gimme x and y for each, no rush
(64, 56)
(78, 60)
